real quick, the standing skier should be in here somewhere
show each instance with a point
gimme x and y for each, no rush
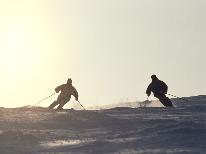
(159, 89)
(66, 91)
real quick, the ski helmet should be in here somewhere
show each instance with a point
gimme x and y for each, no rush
(69, 81)
(153, 77)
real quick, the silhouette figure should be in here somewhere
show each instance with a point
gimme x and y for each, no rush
(66, 91)
(159, 89)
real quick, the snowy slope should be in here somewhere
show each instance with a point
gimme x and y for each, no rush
(180, 130)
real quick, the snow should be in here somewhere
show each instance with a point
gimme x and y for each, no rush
(144, 130)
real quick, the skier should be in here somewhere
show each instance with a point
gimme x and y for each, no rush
(66, 91)
(159, 89)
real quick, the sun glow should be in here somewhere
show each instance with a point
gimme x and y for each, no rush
(28, 48)
(24, 36)
(16, 54)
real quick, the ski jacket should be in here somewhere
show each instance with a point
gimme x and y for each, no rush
(157, 86)
(67, 90)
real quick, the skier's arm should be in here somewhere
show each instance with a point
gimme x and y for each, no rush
(57, 89)
(148, 91)
(75, 94)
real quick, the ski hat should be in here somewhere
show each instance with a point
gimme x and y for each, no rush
(69, 81)
(154, 77)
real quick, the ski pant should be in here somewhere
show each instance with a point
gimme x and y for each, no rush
(61, 101)
(163, 99)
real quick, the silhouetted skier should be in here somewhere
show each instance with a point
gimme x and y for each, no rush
(159, 89)
(66, 91)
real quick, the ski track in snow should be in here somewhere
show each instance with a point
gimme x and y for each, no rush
(180, 130)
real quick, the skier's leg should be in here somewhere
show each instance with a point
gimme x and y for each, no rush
(62, 103)
(60, 107)
(168, 102)
(55, 103)
(163, 99)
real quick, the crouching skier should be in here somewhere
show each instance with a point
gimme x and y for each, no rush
(66, 91)
(159, 89)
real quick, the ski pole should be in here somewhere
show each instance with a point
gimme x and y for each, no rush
(81, 105)
(178, 97)
(44, 99)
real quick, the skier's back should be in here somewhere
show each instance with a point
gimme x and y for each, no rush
(66, 91)
(159, 89)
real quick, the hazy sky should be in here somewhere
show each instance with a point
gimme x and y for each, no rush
(108, 47)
